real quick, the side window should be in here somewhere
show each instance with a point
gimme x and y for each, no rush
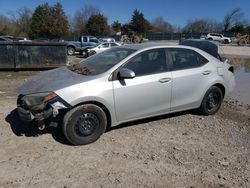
(186, 59)
(105, 45)
(113, 44)
(149, 62)
(85, 39)
(93, 40)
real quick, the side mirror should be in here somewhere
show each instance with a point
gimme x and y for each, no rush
(126, 73)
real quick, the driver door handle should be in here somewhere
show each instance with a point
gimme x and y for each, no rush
(207, 72)
(164, 80)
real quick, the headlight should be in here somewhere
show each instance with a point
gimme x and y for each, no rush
(38, 98)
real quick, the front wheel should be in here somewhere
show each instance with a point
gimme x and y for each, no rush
(84, 124)
(212, 101)
(85, 54)
(226, 41)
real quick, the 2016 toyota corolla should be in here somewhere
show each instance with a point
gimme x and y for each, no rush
(123, 84)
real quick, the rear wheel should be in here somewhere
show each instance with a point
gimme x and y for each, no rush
(70, 50)
(212, 101)
(84, 124)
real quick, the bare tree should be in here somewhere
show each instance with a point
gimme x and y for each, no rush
(232, 18)
(6, 26)
(21, 20)
(202, 26)
(177, 28)
(81, 18)
(160, 25)
(3, 25)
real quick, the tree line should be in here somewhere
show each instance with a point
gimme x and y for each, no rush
(50, 21)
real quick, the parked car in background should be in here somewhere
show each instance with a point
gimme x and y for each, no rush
(218, 37)
(123, 84)
(106, 39)
(22, 39)
(5, 39)
(102, 47)
(12, 38)
(203, 36)
(81, 45)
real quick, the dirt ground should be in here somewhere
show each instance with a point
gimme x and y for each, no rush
(177, 150)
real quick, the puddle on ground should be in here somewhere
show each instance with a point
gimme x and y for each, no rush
(242, 78)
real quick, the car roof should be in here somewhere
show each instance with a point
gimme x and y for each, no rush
(208, 46)
(143, 46)
(214, 34)
(205, 46)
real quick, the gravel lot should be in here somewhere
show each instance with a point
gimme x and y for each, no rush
(178, 150)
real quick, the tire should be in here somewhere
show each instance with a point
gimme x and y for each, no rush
(84, 54)
(84, 124)
(210, 38)
(92, 53)
(71, 50)
(212, 101)
(226, 41)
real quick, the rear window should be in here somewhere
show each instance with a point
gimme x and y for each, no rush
(186, 59)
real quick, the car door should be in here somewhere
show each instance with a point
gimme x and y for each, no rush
(104, 46)
(149, 92)
(191, 74)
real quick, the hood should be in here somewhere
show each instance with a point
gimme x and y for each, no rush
(51, 80)
(205, 45)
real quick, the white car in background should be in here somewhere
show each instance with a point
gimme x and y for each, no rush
(106, 39)
(218, 37)
(102, 47)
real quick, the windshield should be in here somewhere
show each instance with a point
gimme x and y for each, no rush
(101, 62)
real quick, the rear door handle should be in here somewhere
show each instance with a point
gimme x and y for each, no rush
(164, 80)
(207, 72)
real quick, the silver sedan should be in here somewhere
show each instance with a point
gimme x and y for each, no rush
(123, 84)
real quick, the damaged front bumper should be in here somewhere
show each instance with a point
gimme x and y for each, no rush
(27, 115)
(41, 112)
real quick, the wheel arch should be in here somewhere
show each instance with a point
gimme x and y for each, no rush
(222, 88)
(103, 107)
(217, 84)
(71, 46)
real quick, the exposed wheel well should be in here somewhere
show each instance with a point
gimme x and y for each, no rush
(103, 107)
(221, 87)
